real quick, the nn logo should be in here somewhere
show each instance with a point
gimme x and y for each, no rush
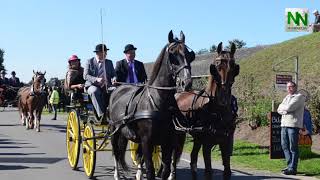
(296, 19)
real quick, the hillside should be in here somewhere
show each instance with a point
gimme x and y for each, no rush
(200, 64)
(259, 65)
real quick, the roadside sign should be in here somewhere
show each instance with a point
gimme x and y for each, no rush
(275, 148)
(281, 81)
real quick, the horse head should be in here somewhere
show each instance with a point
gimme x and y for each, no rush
(224, 70)
(39, 81)
(180, 58)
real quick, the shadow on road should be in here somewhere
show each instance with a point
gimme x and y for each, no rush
(59, 128)
(38, 160)
(17, 167)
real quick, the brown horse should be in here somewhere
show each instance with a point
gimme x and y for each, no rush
(28, 104)
(207, 115)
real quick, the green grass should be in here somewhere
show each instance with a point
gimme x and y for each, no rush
(46, 112)
(253, 156)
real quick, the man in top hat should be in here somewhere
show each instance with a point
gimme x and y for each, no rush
(3, 79)
(98, 73)
(129, 69)
(14, 81)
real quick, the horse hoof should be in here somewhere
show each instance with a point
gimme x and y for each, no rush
(172, 177)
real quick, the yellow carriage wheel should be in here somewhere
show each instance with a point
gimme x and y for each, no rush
(156, 155)
(73, 139)
(156, 158)
(89, 153)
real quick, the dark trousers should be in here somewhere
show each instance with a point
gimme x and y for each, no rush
(54, 109)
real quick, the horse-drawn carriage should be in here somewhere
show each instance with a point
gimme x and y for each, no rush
(140, 107)
(151, 111)
(86, 134)
(8, 96)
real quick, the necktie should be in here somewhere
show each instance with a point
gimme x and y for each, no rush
(130, 72)
(101, 72)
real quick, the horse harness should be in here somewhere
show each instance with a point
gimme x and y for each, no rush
(192, 117)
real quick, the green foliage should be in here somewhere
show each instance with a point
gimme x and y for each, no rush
(199, 83)
(253, 106)
(1, 59)
(314, 104)
(213, 48)
(239, 43)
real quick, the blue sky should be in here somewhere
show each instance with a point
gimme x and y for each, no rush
(41, 35)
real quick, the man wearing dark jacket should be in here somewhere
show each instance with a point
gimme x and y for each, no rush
(14, 81)
(129, 69)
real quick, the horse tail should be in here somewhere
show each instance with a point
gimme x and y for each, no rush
(119, 146)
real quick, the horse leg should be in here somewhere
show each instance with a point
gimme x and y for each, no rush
(206, 151)
(147, 149)
(116, 174)
(38, 117)
(225, 153)
(173, 166)
(166, 160)
(194, 157)
(139, 174)
(114, 142)
(177, 152)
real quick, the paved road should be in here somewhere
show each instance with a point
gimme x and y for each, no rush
(26, 154)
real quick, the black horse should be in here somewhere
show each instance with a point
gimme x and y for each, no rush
(207, 115)
(145, 108)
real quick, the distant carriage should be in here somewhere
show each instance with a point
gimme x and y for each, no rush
(8, 97)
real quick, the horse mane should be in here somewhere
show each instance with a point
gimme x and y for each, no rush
(157, 65)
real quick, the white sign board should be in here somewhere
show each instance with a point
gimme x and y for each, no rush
(281, 81)
(296, 19)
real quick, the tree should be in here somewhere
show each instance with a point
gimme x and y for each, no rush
(239, 43)
(1, 59)
(213, 48)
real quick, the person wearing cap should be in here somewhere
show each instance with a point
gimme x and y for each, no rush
(316, 25)
(98, 73)
(14, 81)
(3, 80)
(129, 69)
(74, 77)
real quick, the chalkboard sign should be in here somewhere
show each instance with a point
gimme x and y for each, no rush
(275, 137)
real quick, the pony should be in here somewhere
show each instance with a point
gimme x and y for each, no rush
(207, 116)
(145, 109)
(27, 104)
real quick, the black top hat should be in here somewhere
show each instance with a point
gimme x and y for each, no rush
(129, 47)
(3, 72)
(101, 47)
